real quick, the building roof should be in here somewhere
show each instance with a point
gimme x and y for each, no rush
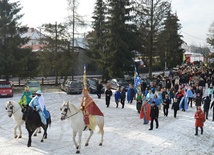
(34, 35)
(34, 48)
(80, 42)
(191, 53)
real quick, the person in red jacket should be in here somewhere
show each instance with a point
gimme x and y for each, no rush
(199, 120)
(89, 107)
(145, 112)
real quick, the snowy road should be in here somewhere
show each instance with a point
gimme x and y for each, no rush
(124, 132)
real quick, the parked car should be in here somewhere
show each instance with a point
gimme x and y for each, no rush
(6, 89)
(72, 87)
(119, 82)
(34, 86)
(92, 86)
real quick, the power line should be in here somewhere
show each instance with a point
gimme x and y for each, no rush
(193, 36)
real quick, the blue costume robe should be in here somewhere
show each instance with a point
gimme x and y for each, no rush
(185, 103)
(189, 93)
(35, 104)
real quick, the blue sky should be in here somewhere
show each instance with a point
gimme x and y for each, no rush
(195, 16)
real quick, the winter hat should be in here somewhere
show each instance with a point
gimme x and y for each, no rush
(39, 92)
(85, 90)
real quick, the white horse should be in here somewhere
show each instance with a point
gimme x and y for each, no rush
(69, 111)
(14, 109)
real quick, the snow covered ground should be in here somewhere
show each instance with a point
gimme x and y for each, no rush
(125, 133)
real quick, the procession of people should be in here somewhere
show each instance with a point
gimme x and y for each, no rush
(187, 87)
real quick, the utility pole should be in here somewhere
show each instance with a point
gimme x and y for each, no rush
(55, 57)
(73, 27)
(151, 40)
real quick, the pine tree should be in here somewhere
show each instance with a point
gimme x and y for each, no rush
(13, 59)
(120, 37)
(96, 40)
(170, 42)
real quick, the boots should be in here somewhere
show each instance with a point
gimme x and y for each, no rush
(196, 131)
(202, 130)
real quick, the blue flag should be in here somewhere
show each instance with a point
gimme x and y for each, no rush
(137, 80)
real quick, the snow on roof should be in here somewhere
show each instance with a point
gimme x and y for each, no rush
(191, 53)
(33, 34)
(80, 42)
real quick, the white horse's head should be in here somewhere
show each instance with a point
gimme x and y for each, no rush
(10, 108)
(68, 110)
(64, 110)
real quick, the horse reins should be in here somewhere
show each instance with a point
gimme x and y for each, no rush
(12, 109)
(70, 115)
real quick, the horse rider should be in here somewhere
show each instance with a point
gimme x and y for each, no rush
(89, 107)
(38, 104)
(26, 97)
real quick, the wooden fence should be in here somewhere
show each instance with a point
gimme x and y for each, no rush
(47, 80)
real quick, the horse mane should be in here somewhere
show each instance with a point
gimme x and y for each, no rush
(73, 106)
(14, 103)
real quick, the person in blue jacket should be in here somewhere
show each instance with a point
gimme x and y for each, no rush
(117, 96)
(190, 95)
(156, 100)
(130, 94)
(38, 104)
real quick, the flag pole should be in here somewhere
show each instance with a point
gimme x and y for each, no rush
(84, 77)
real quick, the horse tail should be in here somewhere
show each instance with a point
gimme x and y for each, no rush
(49, 119)
(101, 126)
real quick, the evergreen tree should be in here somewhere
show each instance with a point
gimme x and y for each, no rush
(170, 42)
(120, 37)
(13, 59)
(96, 40)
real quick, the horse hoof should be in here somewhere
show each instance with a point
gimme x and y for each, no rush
(39, 132)
(77, 152)
(100, 144)
(86, 144)
(42, 140)
(35, 135)
(28, 145)
(20, 137)
(15, 136)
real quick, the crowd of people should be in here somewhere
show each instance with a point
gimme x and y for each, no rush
(180, 90)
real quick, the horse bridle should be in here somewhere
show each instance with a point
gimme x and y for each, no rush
(66, 111)
(10, 106)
